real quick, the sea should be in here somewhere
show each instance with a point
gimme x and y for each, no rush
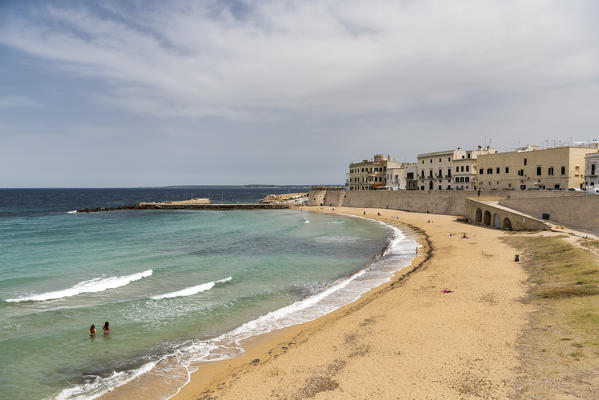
(179, 288)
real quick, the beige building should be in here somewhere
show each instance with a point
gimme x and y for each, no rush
(592, 172)
(401, 176)
(450, 169)
(532, 168)
(368, 174)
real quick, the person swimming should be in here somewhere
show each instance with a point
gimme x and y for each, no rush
(106, 328)
(92, 331)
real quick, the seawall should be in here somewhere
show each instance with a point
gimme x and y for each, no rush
(574, 209)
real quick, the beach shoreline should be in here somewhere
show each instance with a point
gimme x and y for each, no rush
(201, 369)
(304, 360)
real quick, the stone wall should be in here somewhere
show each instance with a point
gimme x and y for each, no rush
(574, 209)
(579, 212)
(495, 216)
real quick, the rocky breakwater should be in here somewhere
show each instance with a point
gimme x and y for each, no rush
(182, 205)
(286, 198)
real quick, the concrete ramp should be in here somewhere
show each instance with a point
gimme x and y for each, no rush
(494, 215)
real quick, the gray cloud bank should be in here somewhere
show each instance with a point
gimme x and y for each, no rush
(393, 76)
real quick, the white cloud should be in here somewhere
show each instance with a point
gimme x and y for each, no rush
(342, 57)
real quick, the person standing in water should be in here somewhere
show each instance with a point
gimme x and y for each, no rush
(92, 331)
(106, 328)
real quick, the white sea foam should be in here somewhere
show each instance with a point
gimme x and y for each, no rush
(98, 386)
(397, 255)
(306, 221)
(191, 290)
(91, 286)
(72, 212)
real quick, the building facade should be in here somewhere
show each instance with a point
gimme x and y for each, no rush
(532, 168)
(591, 172)
(401, 176)
(368, 174)
(450, 169)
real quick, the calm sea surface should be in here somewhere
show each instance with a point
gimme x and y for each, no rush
(178, 287)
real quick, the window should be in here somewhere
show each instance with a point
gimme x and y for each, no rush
(422, 175)
(468, 155)
(520, 172)
(507, 170)
(563, 170)
(467, 179)
(497, 170)
(525, 161)
(489, 171)
(439, 160)
(538, 171)
(440, 174)
(462, 168)
(431, 160)
(430, 173)
(457, 169)
(481, 171)
(448, 158)
(449, 172)
(550, 171)
(593, 169)
(422, 161)
(467, 168)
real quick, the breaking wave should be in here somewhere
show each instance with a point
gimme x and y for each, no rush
(90, 286)
(190, 291)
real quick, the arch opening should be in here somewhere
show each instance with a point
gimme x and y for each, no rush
(479, 216)
(496, 221)
(487, 220)
(507, 224)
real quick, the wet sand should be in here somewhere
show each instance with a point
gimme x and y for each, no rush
(405, 339)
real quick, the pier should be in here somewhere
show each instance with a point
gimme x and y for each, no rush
(166, 206)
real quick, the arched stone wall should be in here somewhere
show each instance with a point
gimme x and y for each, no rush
(492, 215)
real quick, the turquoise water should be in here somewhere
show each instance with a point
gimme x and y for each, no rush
(178, 287)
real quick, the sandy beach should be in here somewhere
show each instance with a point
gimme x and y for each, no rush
(405, 339)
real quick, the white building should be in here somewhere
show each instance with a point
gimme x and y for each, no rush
(450, 169)
(591, 174)
(401, 176)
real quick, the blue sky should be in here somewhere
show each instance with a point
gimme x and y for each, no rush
(144, 93)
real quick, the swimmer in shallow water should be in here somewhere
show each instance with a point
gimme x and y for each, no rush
(106, 328)
(92, 331)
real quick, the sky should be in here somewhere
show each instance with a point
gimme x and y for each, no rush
(153, 93)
